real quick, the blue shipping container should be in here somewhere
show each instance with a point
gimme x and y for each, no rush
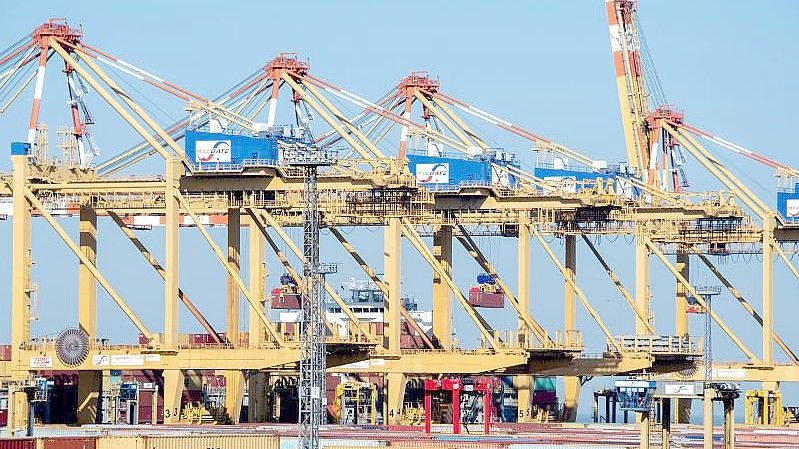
(212, 149)
(788, 205)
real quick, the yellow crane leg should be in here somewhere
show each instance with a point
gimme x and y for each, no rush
(442, 297)
(173, 392)
(642, 300)
(256, 278)
(234, 379)
(395, 396)
(392, 263)
(571, 384)
(89, 382)
(20, 288)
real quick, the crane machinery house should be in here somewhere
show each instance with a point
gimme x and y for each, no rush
(442, 171)
(228, 151)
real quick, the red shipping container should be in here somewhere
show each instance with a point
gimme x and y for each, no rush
(18, 443)
(489, 300)
(69, 443)
(285, 300)
(5, 352)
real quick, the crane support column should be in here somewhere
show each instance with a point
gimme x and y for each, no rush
(20, 288)
(395, 396)
(641, 282)
(392, 263)
(768, 290)
(256, 411)
(233, 292)
(571, 384)
(234, 379)
(524, 278)
(172, 250)
(173, 391)
(89, 382)
(683, 265)
(442, 297)
(87, 285)
(682, 410)
(257, 274)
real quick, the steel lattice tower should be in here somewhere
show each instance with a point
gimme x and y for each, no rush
(313, 350)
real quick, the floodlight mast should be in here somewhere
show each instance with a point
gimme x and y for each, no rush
(313, 349)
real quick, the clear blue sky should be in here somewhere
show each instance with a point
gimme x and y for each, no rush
(545, 65)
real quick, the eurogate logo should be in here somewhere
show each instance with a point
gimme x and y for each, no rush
(433, 173)
(212, 151)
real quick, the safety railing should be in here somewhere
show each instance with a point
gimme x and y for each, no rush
(658, 344)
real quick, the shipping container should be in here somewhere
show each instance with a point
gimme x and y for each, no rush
(120, 442)
(489, 299)
(5, 352)
(212, 441)
(17, 443)
(215, 151)
(285, 300)
(69, 443)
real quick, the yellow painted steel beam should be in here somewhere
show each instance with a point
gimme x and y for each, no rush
(109, 99)
(231, 272)
(617, 282)
(233, 309)
(343, 118)
(262, 216)
(392, 275)
(150, 258)
(18, 92)
(471, 247)
(88, 264)
(523, 274)
(136, 108)
(442, 296)
(573, 285)
(255, 277)
(380, 284)
(20, 265)
(459, 121)
(569, 294)
(327, 118)
(659, 254)
(642, 298)
(482, 325)
(444, 119)
(87, 286)
(681, 307)
(171, 253)
(767, 285)
(718, 170)
(281, 256)
(737, 295)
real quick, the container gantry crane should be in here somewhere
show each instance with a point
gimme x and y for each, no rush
(369, 186)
